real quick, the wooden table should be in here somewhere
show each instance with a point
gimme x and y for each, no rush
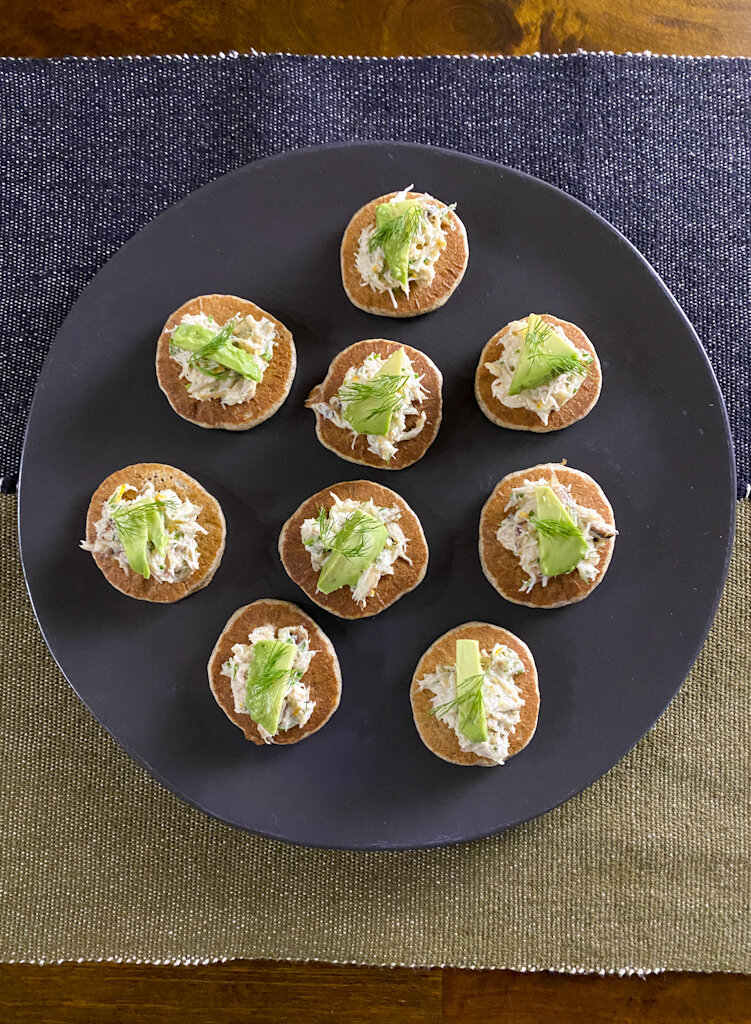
(310, 993)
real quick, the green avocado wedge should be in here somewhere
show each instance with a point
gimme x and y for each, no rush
(396, 226)
(354, 549)
(471, 719)
(370, 406)
(561, 543)
(137, 526)
(200, 341)
(543, 355)
(268, 682)
(135, 540)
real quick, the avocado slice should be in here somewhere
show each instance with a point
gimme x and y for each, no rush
(361, 533)
(268, 682)
(396, 242)
(541, 356)
(135, 541)
(471, 720)
(367, 415)
(193, 337)
(561, 542)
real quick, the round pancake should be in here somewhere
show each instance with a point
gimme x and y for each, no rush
(449, 267)
(210, 413)
(575, 409)
(440, 737)
(323, 675)
(339, 440)
(210, 544)
(296, 557)
(503, 568)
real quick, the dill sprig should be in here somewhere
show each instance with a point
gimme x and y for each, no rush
(471, 695)
(401, 228)
(555, 527)
(271, 672)
(207, 350)
(129, 520)
(556, 364)
(388, 390)
(351, 540)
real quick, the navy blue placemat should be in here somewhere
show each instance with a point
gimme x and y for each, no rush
(90, 150)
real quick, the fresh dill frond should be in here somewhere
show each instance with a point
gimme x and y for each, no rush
(471, 696)
(351, 540)
(555, 527)
(400, 229)
(555, 363)
(129, 520)
(207, 350)
(387, 390)
(271, 672)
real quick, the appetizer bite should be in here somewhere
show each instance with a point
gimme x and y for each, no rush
(224, 362)
(354, 548)
(538, 374)
(474, 695)
(155, 533)
(546, 536)
(403, 254)
(275, 673)
(380, 404)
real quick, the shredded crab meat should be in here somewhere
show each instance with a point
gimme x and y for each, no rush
(541, 400)
(413, 394)
(427, 245)
(181, 524)
(394, 548)
(297, 707)
(501, 697)
(518, 535)
(255, 336)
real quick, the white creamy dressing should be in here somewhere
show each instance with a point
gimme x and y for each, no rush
(501, 697)
(297, 707)
(427, 245)
(413, 393)
(518, 535)
(181, 524)
(395, 546)
(544, 399)
(255, 336)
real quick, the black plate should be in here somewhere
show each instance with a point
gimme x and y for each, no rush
(658, 443)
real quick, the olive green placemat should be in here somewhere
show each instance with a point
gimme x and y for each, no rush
(646, 870)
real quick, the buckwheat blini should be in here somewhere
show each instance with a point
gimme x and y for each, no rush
(275, 673)
(538, 374)
(354, 548)
(546, 536)
(475, 698)
(403, 254)
(380, 404)
(155, 533)
(224, 362)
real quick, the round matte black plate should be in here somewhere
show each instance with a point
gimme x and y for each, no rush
(657, 442)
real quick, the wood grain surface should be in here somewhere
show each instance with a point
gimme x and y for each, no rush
(40, 28)
(240, 992)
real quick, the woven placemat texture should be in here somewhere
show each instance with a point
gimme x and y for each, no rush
(90, 150)
(648, 869)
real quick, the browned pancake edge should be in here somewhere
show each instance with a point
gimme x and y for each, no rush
(323, 675)
(210, 544)
(449, 268)
(502, 567)
(441, 738)
(340, 441)
(210, 413)
(575, 409)
(296, 558)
